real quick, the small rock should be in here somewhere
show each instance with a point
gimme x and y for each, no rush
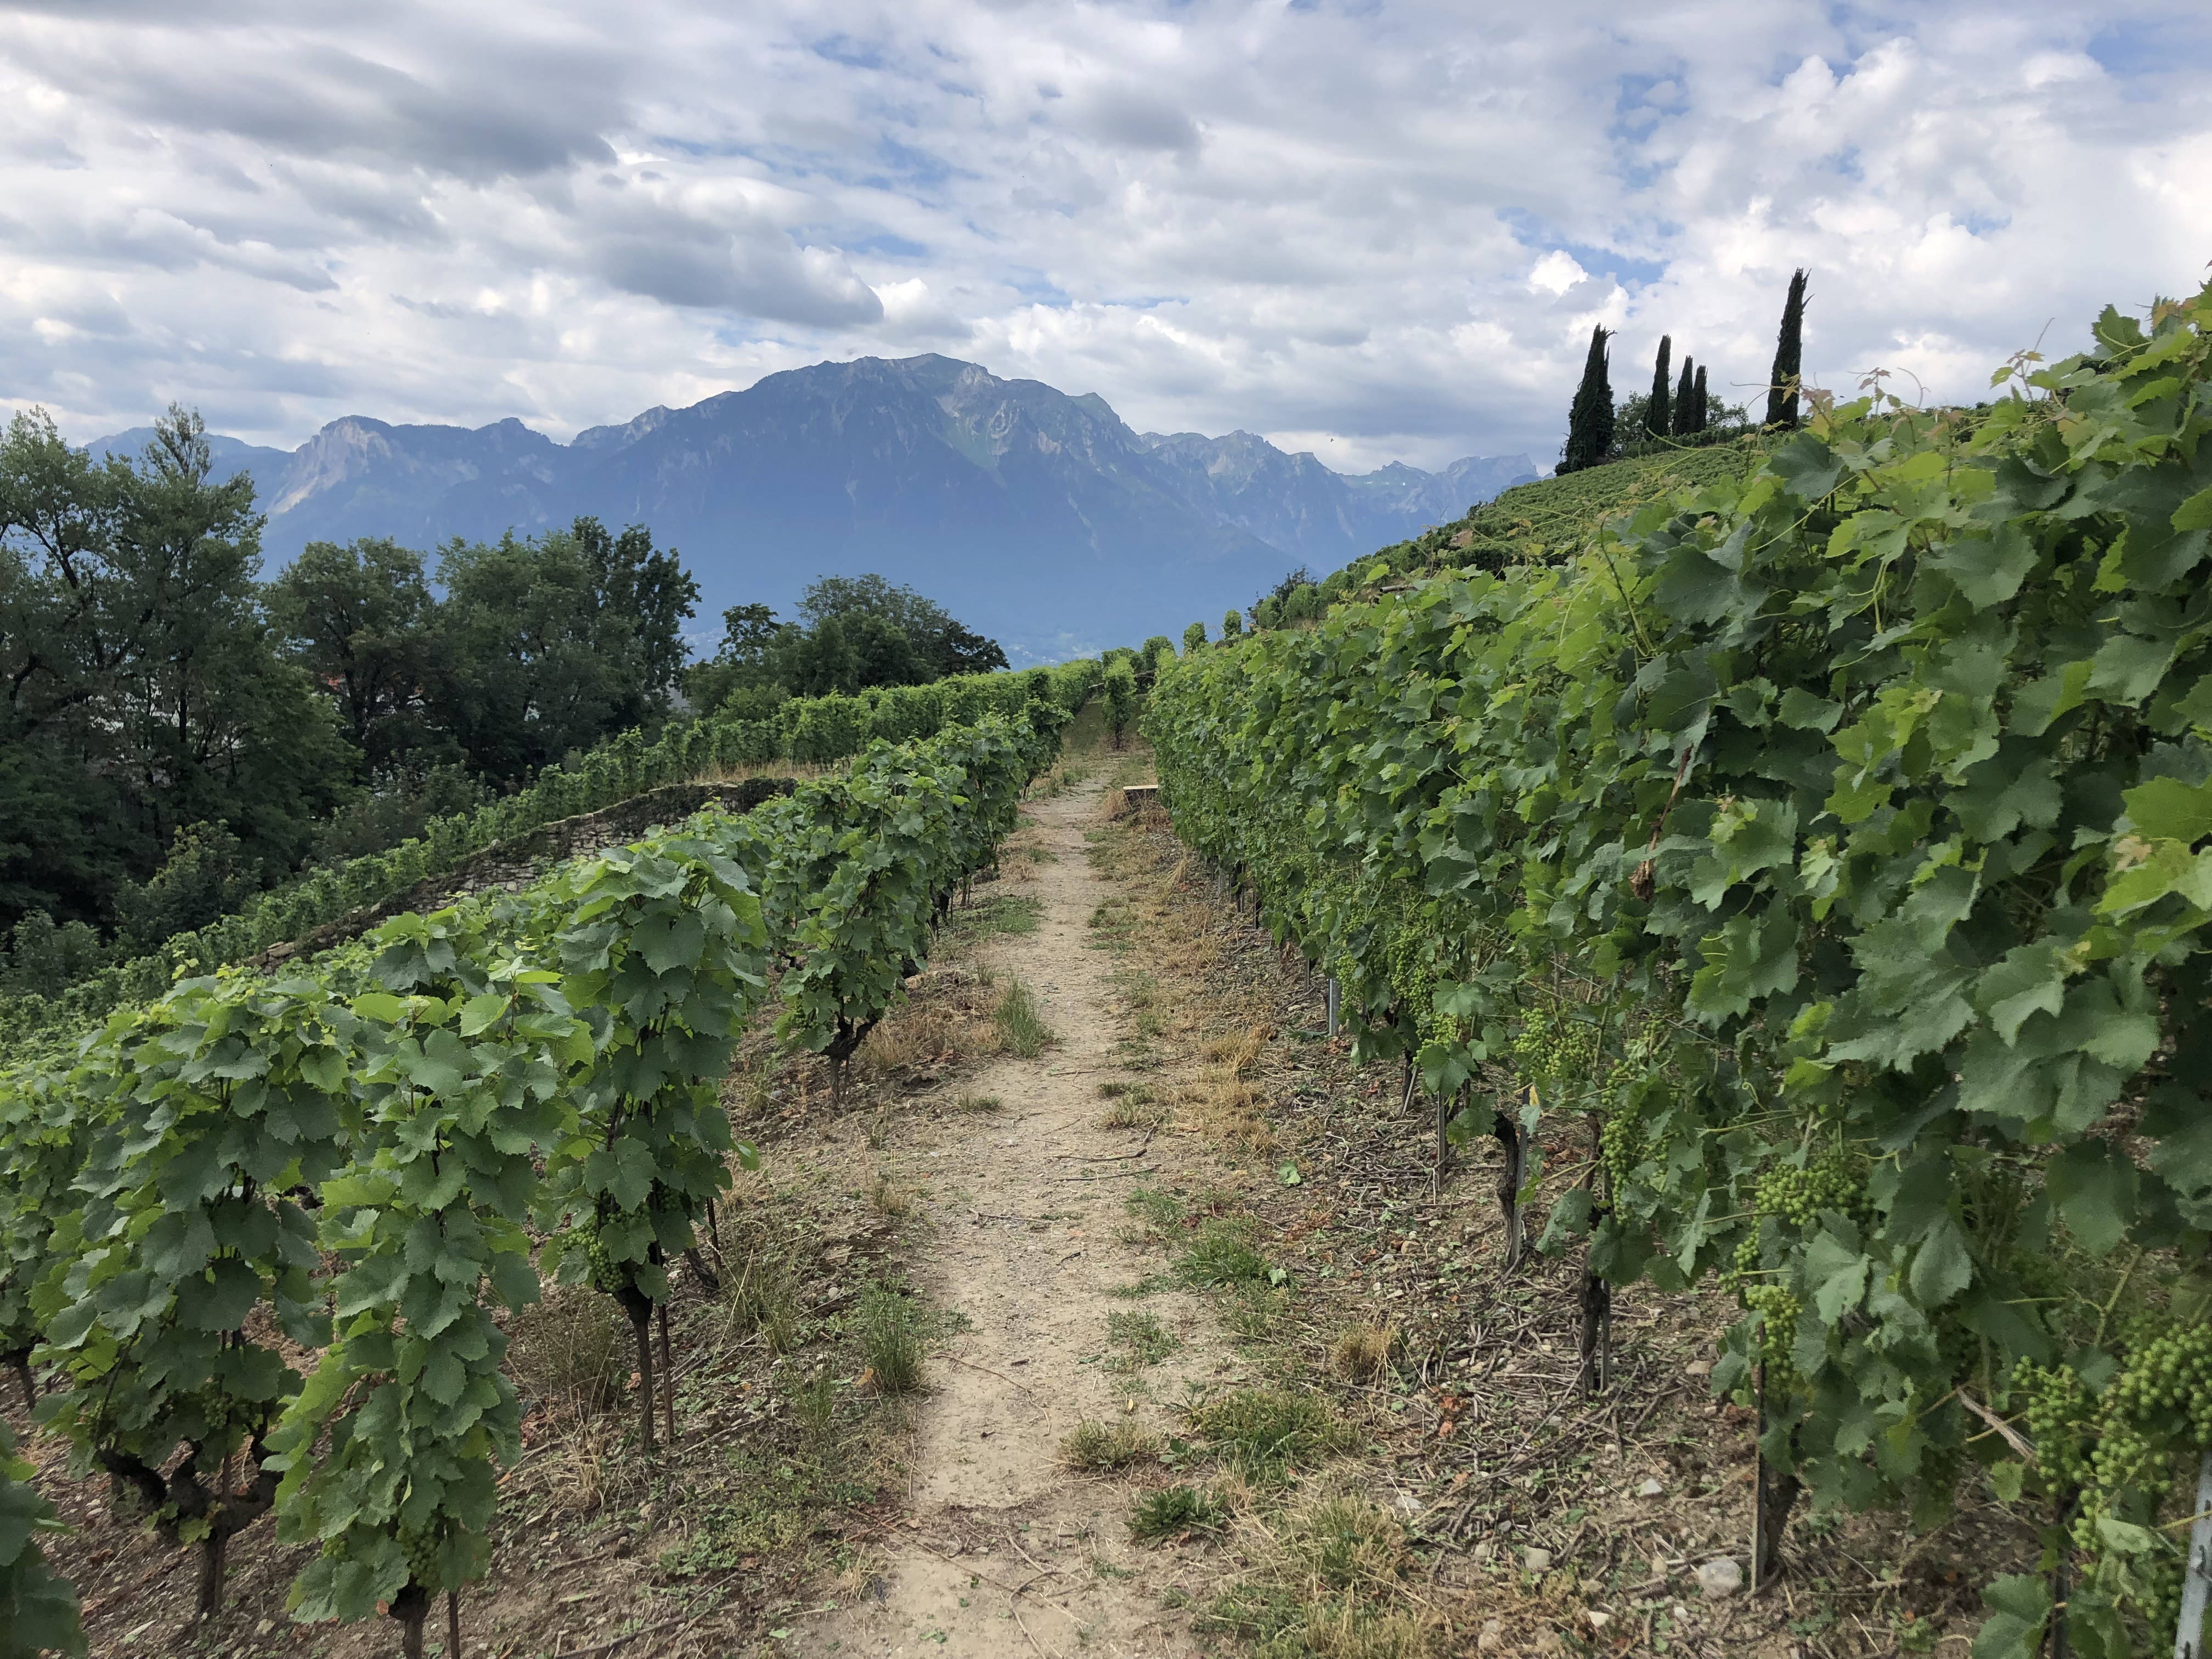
(1652, 1488)
(1536, 1561)
(1492, 1636)
(1598, 1620)
(264, 1627)
(1699, 1367)
(1720, 1577)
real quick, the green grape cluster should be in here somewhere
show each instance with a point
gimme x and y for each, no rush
(1750, 1255)
(605, 1275)
(420, 1551)
(1779, 1307)
(1799, 1195)
(2057, 1409)
(1555, 1050)
(1622, 1144)
(2129, 1451)
(1413, 982)
(2168, 1382)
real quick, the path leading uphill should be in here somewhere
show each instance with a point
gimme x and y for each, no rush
(1005, 1551)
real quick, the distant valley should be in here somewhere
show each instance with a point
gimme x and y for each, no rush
(1038, 517)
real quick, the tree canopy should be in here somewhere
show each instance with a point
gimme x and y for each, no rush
(854, 632)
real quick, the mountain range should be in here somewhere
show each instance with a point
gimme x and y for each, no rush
(1038, 517)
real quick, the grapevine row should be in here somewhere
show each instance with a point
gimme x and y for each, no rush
(805, 730)
(422, 1105)
(1830, 851)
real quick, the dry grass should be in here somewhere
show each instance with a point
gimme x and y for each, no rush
(1239, 1051)
(1134, 1111)
(574, 1350)
(884, 1198)
(1100, 1446)
(1229, 1112)
(1328, 1578)
(1360, 1352)
(946, 1018)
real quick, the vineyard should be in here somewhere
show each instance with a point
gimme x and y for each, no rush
(278, 1221)
(1818, 848)
(806, 731)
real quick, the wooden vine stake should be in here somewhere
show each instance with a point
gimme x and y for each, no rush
(2197, 1573)
(453, 1625)
(1595, 1339)
(1335, 997)
(1773, 1493)
(668, 1375)
(1509, 1179)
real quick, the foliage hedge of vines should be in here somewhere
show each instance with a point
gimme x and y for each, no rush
(1834, 843)
(416, 1104)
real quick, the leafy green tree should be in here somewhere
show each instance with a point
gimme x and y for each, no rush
(742, 661)
(1789, 357)
(848, 654)
(1232, 624)
(1589, 420)
(206, 874)
(1659, 411)
(362, 620)
(141, 687)
(941, 645)
(1685, 410)
(1193, 637)
(555, 642)
(44, 957)
(1701, 400)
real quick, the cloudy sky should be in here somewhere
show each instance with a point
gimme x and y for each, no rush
(1374, 228)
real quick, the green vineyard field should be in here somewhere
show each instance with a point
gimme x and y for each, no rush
(1813, 832)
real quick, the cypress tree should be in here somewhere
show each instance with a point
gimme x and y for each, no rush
(1698, 399)
(1788, 357)
(1657, 419)
(1589, 421)
(1685, 418)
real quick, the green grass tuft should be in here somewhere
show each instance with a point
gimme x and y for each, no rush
(1220, 1257)
(1174, 1511)
(891, 1338)
(1021, 1025)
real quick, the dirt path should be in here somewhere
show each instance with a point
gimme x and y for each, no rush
(1006, 1550)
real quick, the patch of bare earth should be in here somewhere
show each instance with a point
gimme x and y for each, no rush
(1005, 1547)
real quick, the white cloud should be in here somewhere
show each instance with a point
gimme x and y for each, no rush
(1378, 230)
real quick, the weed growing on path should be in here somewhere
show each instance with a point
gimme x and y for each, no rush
(1220, 1256)
(1022, 1029)
(1001, 914)
(1099, 1446)
(1146, 1340)
(891, 1339)
(1262, 1432)
(1174, 1511)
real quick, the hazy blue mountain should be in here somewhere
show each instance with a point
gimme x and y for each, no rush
(1037, 518)
(232, 456)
